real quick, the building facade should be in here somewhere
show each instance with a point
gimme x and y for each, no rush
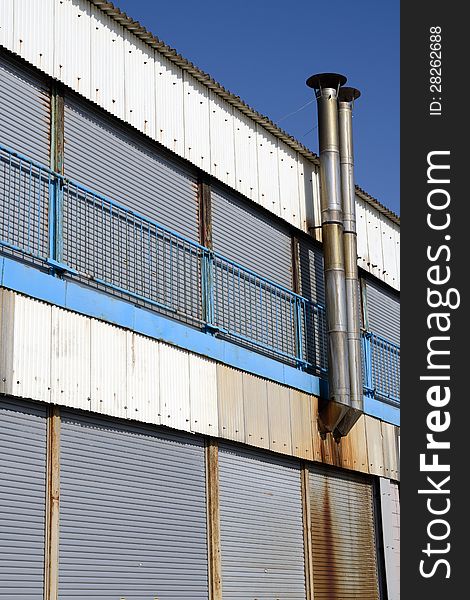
(164, 344)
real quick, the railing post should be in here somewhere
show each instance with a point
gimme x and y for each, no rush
(367, 351)
(207, 287)
(299, 343)
(55, 220)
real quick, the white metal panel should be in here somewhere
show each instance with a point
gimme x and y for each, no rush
(361, 227)
(246, 157)
(70, 359)
(169, 118)
(390, 508)
(6, 23)
(174, 387)
(388, 251)
(72, 35)
(268, 171)
(30, 375)
(309, 197)
(139, 67)
(396, 236)
(374, 242)
(289, 185)
(222, 140)
(34, 32)
(196, 122)
(143, 393)
(203, 395)
(108, 369)
(107, 66)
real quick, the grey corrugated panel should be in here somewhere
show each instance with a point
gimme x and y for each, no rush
(22, 499)
(383, 311)
(244, 234)
(343, 535)
(24, 109)
(133, 512)
(110, 158)
(261, 526)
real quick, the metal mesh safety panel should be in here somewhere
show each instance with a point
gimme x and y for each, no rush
(133, 512)
(343, 536)
(261, 526)
(22, 499)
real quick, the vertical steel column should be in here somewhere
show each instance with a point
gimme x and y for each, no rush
(326, 86)
(307, 527)
(347, 96)
(57, 165)
(51, 562)
(213, 519)
(207, 259)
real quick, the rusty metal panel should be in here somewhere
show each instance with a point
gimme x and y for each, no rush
(108, 369)
(197, 141)
(29, 373)
(343, 535)
(143, 393)
(33, 37)
(301, 424)
(390, 509)
(390, 451)
(316, 437)
(70, 359)
(72, 36)
(230, 403)
(246, 159)
(374, 446)
(255, 408)
(268, 171)
(174, 388)
(107, 66)
(280, 439)
(222, 140)
(169, 121)
(139, 67)
(355, 448)
(289, 185)
(203, 395)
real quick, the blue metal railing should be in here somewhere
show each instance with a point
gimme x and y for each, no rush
(75, 230)
(381, 368)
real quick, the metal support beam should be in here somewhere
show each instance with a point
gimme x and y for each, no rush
(205, 213)
(213, 519)
(307, 528)
(51, 562)
(57, 128)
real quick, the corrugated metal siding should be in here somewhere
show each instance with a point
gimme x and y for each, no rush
(383, 311)
(261, 526)
(22, 499)
(110, 159)
(245, 235)
(24, 110)
(343, 536)
(133, 512)
(390, 507)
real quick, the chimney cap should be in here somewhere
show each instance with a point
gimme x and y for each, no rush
(326, 80)
(348, 94)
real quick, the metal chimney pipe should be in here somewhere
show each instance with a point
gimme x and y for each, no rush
(326, 86)
(347, 96)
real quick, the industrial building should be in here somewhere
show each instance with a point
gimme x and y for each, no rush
(199, 387)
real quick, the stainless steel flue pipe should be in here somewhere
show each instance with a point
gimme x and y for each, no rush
(326, 86)
(347, 96)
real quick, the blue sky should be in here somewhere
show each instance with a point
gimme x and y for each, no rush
(264, 50)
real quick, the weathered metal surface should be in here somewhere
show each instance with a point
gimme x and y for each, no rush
(197, 144)
(203, 395)
(301, 424)
(22, 498)
(143, 379)
(230, 403)
(307, 526)
(213, 519)
(343, 535)
(51, 561)
(222, 149)
(390, 509)
(169, 123)
(255, 408)
(279, 418)
(390, 450)
(33, 32)
(354, 448)
(246, 158)
(289, 186)
(268, 173)
(375, 449)
(174, 388)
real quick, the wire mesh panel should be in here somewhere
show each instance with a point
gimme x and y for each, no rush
(24, 192)
(117, 247)
(385, 368)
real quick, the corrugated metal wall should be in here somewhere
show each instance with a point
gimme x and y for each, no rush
(22, 499)
(383, 311)
(133, 512)
(24, 110)
(261, 526)
(390, 505)
(343, 536)
(247, 236)
(108, 157)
